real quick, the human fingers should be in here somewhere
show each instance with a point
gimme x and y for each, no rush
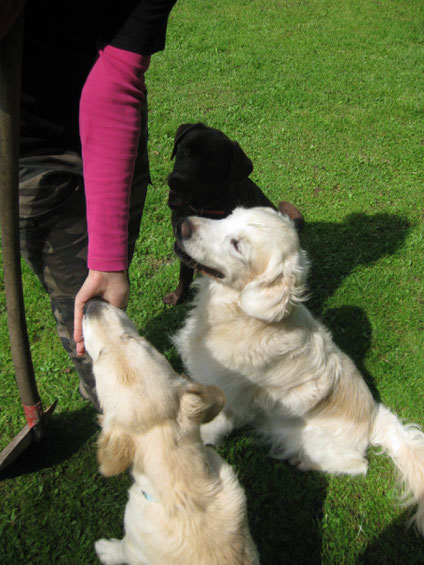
(78, 335)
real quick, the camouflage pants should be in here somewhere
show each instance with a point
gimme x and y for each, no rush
(53, 234)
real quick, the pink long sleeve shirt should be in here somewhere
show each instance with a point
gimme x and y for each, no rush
(110, 129)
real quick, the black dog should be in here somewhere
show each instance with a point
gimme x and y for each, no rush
(210, 179)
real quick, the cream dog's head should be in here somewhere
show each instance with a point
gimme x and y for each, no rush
(138, 389)
(255, 251)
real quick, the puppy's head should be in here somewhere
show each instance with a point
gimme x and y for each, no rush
(120, 447)
(128, 370)
(254, 251)
(207, 163)
(138, 390)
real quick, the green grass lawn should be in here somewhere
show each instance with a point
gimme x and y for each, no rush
(327, 99)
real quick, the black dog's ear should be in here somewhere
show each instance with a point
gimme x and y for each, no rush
(241, 165)
(182, 130)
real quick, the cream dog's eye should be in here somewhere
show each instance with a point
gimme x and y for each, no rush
(235, 244)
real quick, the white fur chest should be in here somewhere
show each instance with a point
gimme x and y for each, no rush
(219, 340)
(219, 337)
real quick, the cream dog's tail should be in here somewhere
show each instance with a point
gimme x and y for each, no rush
(405, 445)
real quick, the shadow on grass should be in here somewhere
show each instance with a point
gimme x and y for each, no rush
(160, 329)
(352, 332)
(396, 545)
(53, 514)
(335, 250)
(284, 505)
(65, 434)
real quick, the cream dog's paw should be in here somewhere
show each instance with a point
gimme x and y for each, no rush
(110, 551)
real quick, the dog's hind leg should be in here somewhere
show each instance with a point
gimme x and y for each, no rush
(313, 448)
(320, 452)
(346, 464)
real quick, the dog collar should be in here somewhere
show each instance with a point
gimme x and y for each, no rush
(203, 212)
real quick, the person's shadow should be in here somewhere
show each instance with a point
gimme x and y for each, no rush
(285, 506)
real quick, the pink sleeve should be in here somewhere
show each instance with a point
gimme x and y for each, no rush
(110, 129)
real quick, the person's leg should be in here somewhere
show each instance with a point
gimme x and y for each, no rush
(53, 234)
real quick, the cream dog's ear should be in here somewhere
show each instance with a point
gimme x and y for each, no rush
(115, 453)
(270, 296)
(201, 403)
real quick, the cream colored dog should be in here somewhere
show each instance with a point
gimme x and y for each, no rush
(250, 334)
(186, 505)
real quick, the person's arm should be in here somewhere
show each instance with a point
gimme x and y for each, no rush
(110, 129)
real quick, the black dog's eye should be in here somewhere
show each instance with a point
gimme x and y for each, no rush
(185, 150)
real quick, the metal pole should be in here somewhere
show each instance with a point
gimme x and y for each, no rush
(10, 88)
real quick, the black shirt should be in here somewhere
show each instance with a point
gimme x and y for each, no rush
(60, 47)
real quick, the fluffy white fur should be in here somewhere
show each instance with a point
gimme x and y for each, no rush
(250, 334)
(186, 505)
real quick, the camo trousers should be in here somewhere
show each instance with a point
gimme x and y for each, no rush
(53, 234)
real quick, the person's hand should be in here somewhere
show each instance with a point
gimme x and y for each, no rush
(111, 286)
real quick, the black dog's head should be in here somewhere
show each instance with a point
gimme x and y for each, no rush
(207, 163)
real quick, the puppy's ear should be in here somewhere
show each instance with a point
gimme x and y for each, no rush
(182, 130)
(201, 403)
(115, 453)
(241, 165)
(271, 295)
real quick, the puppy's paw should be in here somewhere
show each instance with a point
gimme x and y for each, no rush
(110, 551)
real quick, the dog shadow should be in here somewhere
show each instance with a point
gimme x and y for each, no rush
(284, 505)
(396, 545)
(352, 332)
(335, 250)
(64, 435)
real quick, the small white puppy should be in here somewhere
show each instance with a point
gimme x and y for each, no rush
(280, 370)
(186, 505)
